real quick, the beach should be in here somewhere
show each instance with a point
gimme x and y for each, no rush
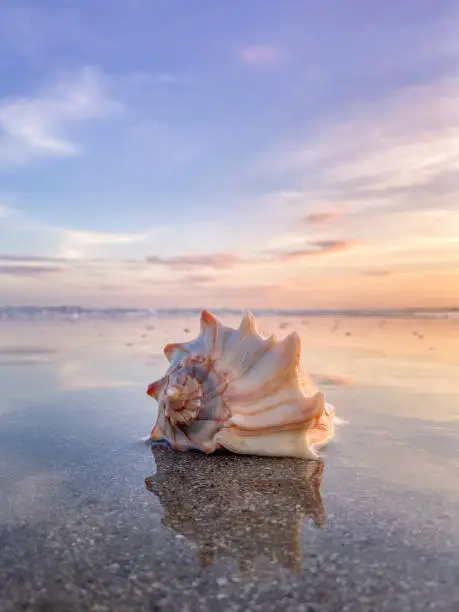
(93, 518)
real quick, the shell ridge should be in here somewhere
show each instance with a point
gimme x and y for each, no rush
(283, 376)
(288, 350)
(239, 349)
(268, 345)
(304, 403)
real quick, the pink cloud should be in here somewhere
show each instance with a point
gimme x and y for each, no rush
(198, 279)
(319, 218)
(109, 287)
(320, 247)
(263, 55)
(227, 261)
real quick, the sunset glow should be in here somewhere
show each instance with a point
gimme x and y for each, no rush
(254, 169)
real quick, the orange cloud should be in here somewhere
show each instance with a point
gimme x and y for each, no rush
(377, 272)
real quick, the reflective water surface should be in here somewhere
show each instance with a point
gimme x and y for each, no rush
(240, 507)
(91, 515)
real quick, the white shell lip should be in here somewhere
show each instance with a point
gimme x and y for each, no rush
(257, 400)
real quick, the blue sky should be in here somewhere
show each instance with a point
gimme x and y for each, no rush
(229, 153)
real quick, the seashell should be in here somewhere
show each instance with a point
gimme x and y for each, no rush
(233, 389)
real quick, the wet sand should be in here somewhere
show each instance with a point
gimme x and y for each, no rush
(92, 519)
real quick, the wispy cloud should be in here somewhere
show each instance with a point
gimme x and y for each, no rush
(213, 260)
(40, 125)
(320, 218)
(263, 55)
(410, 145)
(392, 147)
(318, 248)
(83, 247)
(18, 257)
(198, 279)
(5, 212)
(290, 197)
(111, 287)
(377, 272)
(14, 270)
(80, 244)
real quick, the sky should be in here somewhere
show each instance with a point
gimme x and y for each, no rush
(262, 154)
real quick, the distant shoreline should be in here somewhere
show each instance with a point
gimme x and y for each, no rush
(76, 312)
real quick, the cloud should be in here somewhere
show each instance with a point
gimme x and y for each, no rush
(6, 212)
(227, 261)
(318, 248)
(38, 126)
(28, 270)
(214, 260)
(81, 244)
(391, 148)
(198, 279)
(377, 272)
(78, 245)
(320, 218)
(29, 258)
(290, 196)
(262, 56)
(110, 287)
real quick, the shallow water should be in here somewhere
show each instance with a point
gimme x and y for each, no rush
(90, 516)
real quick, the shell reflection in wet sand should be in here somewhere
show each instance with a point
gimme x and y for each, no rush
(243, 507)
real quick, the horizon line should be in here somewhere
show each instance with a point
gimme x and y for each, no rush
(227, 309)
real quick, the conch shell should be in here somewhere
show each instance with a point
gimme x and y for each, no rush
(234, 389)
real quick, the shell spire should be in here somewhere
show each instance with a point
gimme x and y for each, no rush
(248, 323)
(232, 388)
